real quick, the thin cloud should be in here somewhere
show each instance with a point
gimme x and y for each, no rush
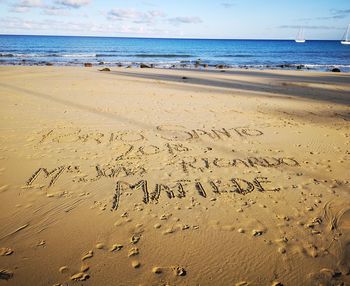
(228, 4)
(134, 16)
(336, 14)
(340, 13)
(29, 3)
(185, 20)
(73, 3)
(310, 27)
(25, 6)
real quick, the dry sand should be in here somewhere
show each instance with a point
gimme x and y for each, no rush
(169, 177)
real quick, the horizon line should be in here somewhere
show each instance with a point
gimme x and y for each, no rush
(166, 38)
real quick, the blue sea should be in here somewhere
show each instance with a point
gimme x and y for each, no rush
(167, 53)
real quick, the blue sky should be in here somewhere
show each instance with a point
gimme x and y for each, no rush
(229, 19)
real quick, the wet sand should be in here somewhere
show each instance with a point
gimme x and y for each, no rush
(174, 177)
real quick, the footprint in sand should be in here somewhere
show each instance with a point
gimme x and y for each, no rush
(168, 231)
(4, 251)
(100, 246)
(135, 264)
(242, 283)
(276, 283)
(133, 252)
(63, 269)
(81, 276)
(135, 239)
(116, 247)
(157, 225)
(5, 274)
(257, 232)
(84, 268)
(88, 255)
(157, 270)
(179, 271)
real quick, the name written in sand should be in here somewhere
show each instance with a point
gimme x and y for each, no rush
(166, 132)
(48, 177)
(178, 190)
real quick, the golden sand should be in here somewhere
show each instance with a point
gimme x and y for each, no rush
(172, 177)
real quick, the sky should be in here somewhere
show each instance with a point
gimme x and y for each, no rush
(219, 19)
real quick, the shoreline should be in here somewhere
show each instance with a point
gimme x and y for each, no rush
(200, 66)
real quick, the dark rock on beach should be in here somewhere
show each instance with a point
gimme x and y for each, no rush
(144, 66)
(105, 70)
(220, 66)
(49, 64)
(335, 70)
(101, 63)
(88, 65)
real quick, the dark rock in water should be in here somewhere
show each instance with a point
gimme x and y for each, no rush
(119, 65)
(101, 63)
(335, 70)
(184, 77)
(49, 64)
(144, 66)
(7, 55)
(88, 65)
(198, 62)
(105, 70)
(299, 67)
(220, 66)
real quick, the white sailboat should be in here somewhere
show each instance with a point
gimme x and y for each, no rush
(300, 37)
(346, 40)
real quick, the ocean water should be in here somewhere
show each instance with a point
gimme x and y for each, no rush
(271, 54)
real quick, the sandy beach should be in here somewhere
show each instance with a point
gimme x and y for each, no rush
(174, 177)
